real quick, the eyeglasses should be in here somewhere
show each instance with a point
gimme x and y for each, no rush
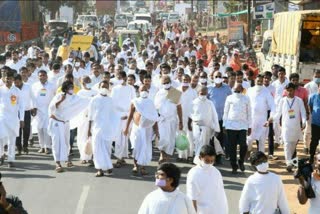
(217, 76)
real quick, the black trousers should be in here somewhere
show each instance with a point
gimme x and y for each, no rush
(73, 134)
(25, 132)
(270, 137)
(236, 137)
(315, 137)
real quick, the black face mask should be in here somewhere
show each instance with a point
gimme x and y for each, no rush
(237, 92)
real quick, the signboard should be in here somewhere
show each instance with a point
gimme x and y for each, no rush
(8, 37)
(80, 41)
(235, 30)
(265, 11)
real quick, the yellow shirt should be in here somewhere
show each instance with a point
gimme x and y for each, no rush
(76, 89)
(63, 52)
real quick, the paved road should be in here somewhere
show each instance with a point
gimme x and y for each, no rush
(77, 191)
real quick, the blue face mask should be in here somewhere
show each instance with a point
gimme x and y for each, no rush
(316, 80)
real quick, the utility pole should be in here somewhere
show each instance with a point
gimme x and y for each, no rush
(249, 23)
(191, 9)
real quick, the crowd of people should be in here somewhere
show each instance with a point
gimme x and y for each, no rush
(125, 101)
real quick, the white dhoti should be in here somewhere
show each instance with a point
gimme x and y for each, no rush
(141, 143)
(121, 143)
(11, 142)
(202, 136)
(41, 122)
(101, 152)
(167, 132)
(82, 140)
(289, 148)
(60, 134)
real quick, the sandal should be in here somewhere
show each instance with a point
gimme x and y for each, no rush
(59, 169)
(143, 172)
(70, 164)
(99, 174)
(118, 164)
(83, 162)
(135, 170)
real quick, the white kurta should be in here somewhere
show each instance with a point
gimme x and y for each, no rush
(167, 122)
(83, 124)
(141, 136)
(104, 122)
(261, 101)
(263, 193)
(122, 95)
(205, 124)
(315, 202)
(160, 202)
(60, 131)
(11, 111)
(187, 98)
(291, 127)
(206, 187)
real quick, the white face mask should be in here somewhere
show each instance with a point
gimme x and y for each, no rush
(259, 87)
(205, 165)
(185, 84)
(131, 71)
(88, 85)
(203, 80)
(70, 91)
(77, 64)
(202, 97)
(144, 94)
(166, 86)
(263, 167)
(103, 91)
(218, 80)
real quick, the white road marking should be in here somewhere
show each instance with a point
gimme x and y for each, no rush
(82, 200)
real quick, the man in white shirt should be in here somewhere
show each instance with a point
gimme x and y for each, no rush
(28, 99)
(167, 102)
(190, 52)
(43, 92)
(55, 74)
(62, 108)
(167, 198)
(312, 88)
(15, 64)
(95, 77)
(207, 196)
(122, 95)
(261, 101)
(170, 34)
(223, 65)
(11, 117)
(205, 122)
(292, 112)
(263, 191)
(101, 113)
(237, 122)
(187, 97)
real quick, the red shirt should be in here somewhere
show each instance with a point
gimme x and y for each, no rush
(301, 92)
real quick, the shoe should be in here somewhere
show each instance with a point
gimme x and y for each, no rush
(234, 171)
(41, 150)
(109, 172)
(10, 165)
(47, 151)
(241, 166)
(306, 151)
(1, 160)
(272, 157)
(289, 168)
(26, 150)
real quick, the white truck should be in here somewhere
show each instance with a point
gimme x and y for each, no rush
(294, 43)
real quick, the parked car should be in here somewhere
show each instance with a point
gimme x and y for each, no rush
(136, 25)
(120, 20)
(173, 18)
(143, 16)
(83, 21)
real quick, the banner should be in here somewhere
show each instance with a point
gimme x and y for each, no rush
(80, 41)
